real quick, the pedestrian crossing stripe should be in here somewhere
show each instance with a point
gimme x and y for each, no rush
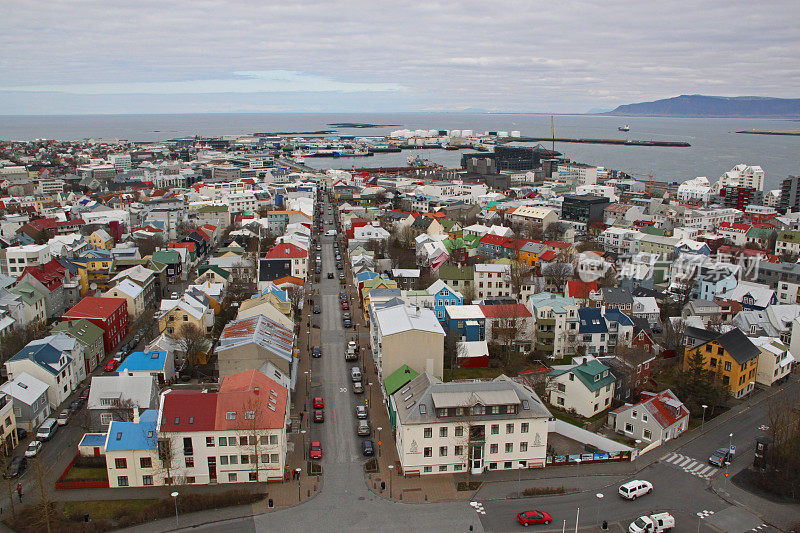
(478, 507)
(690, 465)
(704, 513)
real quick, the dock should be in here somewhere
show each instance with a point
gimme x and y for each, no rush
(622, 142)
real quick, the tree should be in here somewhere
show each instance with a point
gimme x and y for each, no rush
(519, 275)
(18, 338)
(254, 432)
(193, 343)
(506, 328)
(149, 244)
(782, 466)
(296, 296)
(608, 278)
(468, 294)
(453, 349)
(555, 231)
(589, 245)
(697, 386)
(557, 274)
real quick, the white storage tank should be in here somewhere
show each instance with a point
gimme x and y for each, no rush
(455, 133)
(467, 133)
(419, 133)
(433, 133)
(502, 134)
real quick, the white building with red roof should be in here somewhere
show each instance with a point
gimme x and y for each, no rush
(659, 416)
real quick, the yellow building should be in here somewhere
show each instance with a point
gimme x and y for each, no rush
(731, 356)
(101, 239)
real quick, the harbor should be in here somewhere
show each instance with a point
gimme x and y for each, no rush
(622, 142)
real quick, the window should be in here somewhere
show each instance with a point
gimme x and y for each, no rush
(507, 465)
(442, 432)
(242, 441)
(122, 481)
(209, 442)
(459, 431)
(105, 418)
(560, 401)
(147, 480)
(427, 433)
(273, 439)
(727, 366)
(644, 417)
(145, 462)
(495, 429)
(190, 479)
(273, 458)
(523, 446)
(495, 409)
(509, 447)
(457, 468)
(442, 468)
(249, 415)
(572, 377)
(223, 441)
(426, 469)
(458, 451)
(427, 451)
(230, 415)
(120, 463)
(523, 428)
(232, 476)
(493, 448)
(509, 429)
(647, 434)
(442, 451)
(245, 459)
(634, 414)
(492, 466)
(190, 462)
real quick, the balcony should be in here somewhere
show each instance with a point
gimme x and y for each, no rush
(545, 321)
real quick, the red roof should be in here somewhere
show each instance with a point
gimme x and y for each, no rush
(188, 245)
(50, 274)
(151, 229)
(250, 391)
(202, 234)
(52, 223)
(192, 410)
(734, 226)
(581, 289)
(286, 250)
(101, 307)
(288, 280)
(547, 255)
(659, 405)
(505, 311)
(505, 242)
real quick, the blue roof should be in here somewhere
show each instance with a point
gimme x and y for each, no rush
(591, 320)
(124, 436)
(44, 355)
(93, 439)
(144, 362)
(615, 315)
(364, 276)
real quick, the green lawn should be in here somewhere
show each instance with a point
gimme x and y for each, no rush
(471, 373)
(84, 473)
(103, 509)
(576, 420)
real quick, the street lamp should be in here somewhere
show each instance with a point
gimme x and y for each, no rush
(599, 502)
(308, 389)
(577, 482)
(728, 463)
(379, 440)
(303, 432)
(520, 466)
(175, 497)
(703, 422)
(391, 469)
(370, 392)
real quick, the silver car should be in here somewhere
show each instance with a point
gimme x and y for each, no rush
(361, 412)
(364, 429)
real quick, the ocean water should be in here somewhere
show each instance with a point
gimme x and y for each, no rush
(715, 145)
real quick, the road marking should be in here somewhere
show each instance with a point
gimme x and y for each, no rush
(669, 457)
(763, 428)
(478, 507)
(685, 462)
(706, 471)
(704, 513)
(696, 469)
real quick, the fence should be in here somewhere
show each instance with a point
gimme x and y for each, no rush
(583, 458)
(94, 484)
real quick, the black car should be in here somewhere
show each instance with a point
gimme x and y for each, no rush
(317, 309)
(76, 404)
(330, 275)
(346, 323)
(367, 448)
(316, 352)
(338, 266)
(16, 468)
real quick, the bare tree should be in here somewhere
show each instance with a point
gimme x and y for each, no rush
(193, 342)
(468, 294)
(506, 329)
(150, 244)
(557, 274)
(555, 231)
(254, 433)
(519, 275)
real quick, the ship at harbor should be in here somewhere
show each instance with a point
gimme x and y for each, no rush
(624, 128)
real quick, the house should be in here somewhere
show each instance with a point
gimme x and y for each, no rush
(646, 307)
(246, 344)
(89, 335)
(642, 339)
(491, 281)
(774, 361)
(586, 388)
(50, 365)
(29, 398)
(731, 357)
(443, 296)
(142, 276)
(585, 293)
(132, 293)
(117, 397)
(173, 262)
(477, 425)
(787, 243)
(556, 324)
(193, 308)
(296, 256)
(617, 298)
(49, 279)
(109, 314)
(459, 278)
(34, 306)
(527, 216)
(131, 451)
(8, 426)
(509, 324)
(466, 321)
(658, 417)
(751, 295)
(158, 363)
(101, 239)
(427, 226)
(402, 334)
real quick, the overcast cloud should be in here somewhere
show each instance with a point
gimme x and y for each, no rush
(504, 55)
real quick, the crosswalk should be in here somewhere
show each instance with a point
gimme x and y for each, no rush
(690, 466)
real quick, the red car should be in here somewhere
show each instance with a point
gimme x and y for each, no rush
(345, 306)
(112, 365)
(319, 416)
(527, 518)
(315, 450)
(318, 403)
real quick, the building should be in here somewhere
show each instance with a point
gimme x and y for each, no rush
(117, 397)
(480, 425)
(101, 239)
(790, 195)
(109, 314)
(89, 335)
(587, 209)
(281, 253)
(158, 363)
(20, 257)
(555, 322)
(774, 361)
(402, 334)
(248, 343)
(132, 293)
(55, 368)
(731, 357)
(585, 389)
(750, 176)
(29, 398)
(658, 417)
(8, 426)
(193, 308)
(491, 281)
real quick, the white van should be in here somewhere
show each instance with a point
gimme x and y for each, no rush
(355, 373)
(633, 489)
(47, 429)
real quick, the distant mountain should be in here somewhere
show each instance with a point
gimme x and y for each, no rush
(598, 111)
(698, 105)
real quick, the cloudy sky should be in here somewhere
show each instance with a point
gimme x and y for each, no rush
(92, 56)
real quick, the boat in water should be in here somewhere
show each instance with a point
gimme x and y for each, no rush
(624, 128)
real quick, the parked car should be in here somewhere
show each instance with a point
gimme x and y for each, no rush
(346, 315)
(47, 430)
(633, 489)
(345, 305)
(315, 450)
(654, 523)
(346, 323)
(111, 365)
(33, 448)
(174, 296)
(367, 448)
(63, 417)
(355, 374)
(363, 429)
(21, 433)
(317, 309)
(527, 518)
(358, 388)
(721, 457)
(75, 405)
(16, 468)
(316, 352)
(319, 416)
(341, 275)
(361, 412)
(84, 394)
(318, 403)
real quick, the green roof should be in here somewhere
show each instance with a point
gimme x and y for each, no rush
(453, 244)
(448, 272)
(759, 233)
(168, 257)
(399, 378)
(448, 224)
(29, 294)
(213, 209)
(590, 373)
(83, 330)
(216, 268)
(650, 230)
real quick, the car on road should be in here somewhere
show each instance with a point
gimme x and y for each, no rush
(111, 365)
(84, 394)
(358, 388)
(346, 314)
(63, 417)
(633, 489)
(319, 247)
(346, 323)
(361, 412)
(367, 448)
(173, 296)
(721, 457)
(341, 275)
(319, 415)
(338, 266)
(345, 305)
(16, 468)
(75, 405)
(315, 450)
(317, 309)
(363, 429)
(33, 448)
(318, 403)
(330, 275)
(355, 374)
(527, 518)
(353, 345)
(317, 270)
(316, 352)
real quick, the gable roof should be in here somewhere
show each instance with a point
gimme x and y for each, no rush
(128, 436)
(399, 378)
(589, 372)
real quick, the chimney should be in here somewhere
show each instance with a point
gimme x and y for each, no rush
(255, 390)
(135, 415)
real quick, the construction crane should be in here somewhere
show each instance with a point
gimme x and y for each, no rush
(649, 181)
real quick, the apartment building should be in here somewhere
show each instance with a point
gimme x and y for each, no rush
(19, 257)
(492, 281)
(555, 324)
(731, 357)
